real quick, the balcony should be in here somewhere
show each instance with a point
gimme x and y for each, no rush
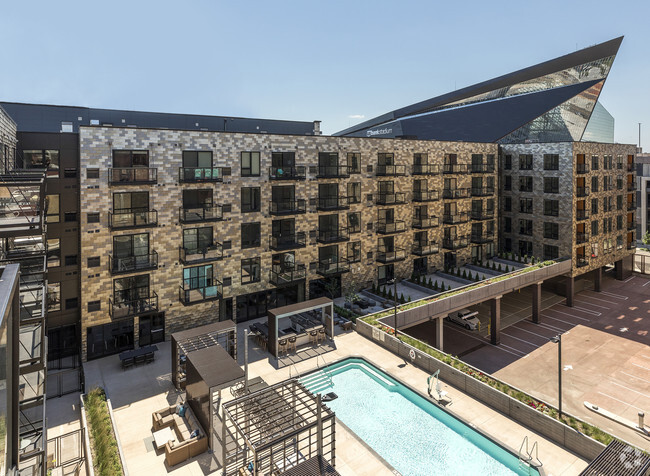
(333, 236)
(390, 170)
(631, 245)
(582, 168)
(631, 187)
(193, 295)
(333, 171)
(200, 174)
(453, 193)
(426, 195)
(193, 255)
(454, 169)
(485, 237)
(287, 207)
(201, 214)
(582, 237)
(132, 176)
(130, 264)
(287, 173)
(482, 168)
(482, 191)
(630, 168)
(425, 222)
(425, 169)
(387, 228)
(581, 261)
(582, 191)
(631, 226)
(333, 203)
(455, 243)
(280, 276)
(134, 307)
(391, 198)
(132, 218)
(424, 249)
(455, 218)
(582, 214)
(631, 205)
(287, 242)
(482, 214)
(398, 254)
(333, 266)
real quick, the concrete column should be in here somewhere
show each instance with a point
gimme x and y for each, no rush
(598, 278)
(495, 321)
(439, 334)
(537, 302)
(569, 291)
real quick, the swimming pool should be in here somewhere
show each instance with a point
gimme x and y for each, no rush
(412, 434)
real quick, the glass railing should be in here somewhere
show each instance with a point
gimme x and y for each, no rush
(425, 222)
(454, 218)
(287, 173)
(397, 254)
(482, 191)
(287, 207)
(199, 214)
(285, 242)
(207, 253)
(484, 237)
(333, 235)
(132, 218)
(129, 264)
(279, 275)
(426, 195)
(425, 169)
(454, 169)
(200, 174)
(396, 226)
(391, 198)
(194, 294)
(423, 249)
(391, 170)
(334, 265)
(455, 243)
(333, 171)
(333, 203)
(451, 193)
(126, 308)
(132, 175)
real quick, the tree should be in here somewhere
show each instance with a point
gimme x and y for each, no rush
(351, 296)
(646, 238)
(331, 287)
(435, 285)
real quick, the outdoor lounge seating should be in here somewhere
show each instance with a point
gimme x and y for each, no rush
(184, 446)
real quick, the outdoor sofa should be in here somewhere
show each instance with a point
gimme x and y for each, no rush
(184, 447)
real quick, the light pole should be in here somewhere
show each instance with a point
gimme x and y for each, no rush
(558, 340)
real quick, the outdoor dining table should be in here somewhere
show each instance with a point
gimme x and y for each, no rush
(131, 354)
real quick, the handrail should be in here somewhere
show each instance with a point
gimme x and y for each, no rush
(324, 369)
(293, 366)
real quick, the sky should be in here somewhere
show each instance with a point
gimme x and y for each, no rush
(340, 62)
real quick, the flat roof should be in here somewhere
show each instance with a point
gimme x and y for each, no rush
(300, 307)
(215, 366)
(206, 329)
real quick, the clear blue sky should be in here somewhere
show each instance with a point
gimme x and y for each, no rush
(328, 60)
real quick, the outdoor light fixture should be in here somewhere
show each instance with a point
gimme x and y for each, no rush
(558, 340)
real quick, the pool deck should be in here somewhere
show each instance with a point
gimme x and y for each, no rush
(137, 392)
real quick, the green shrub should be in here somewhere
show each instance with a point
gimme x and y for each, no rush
(499, 268)
(429, 283)
(390, 293)
(464, 274)
(435, 285)
(106, 456)
(483, 278)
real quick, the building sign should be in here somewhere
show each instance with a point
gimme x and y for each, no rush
(378, 132)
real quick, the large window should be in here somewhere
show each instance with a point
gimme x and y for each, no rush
(198, 277)
(507, 183)
(250, 235)
(197, 158)
(354, 222)
(526, 162)
(250, 270)
(507, 162)
(127, 246)
(354, 162)
(551, 208)
(131, 201)
(354, 192)
(53, 252)
(525, 184)
(551, 230)
(53, 210)
(250, 164)
(131, 288)
(130, 158)
(551, 162)
(197, 238)
(526, 205)
(594, 162)
(594, 206)
(551, 185)
(250, 199)
(551, 252)
(526, 227)
(53, 297)
(354, 251)
(594, 184)
(42, 159)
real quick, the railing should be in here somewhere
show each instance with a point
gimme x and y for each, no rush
(391, 170)
(582, 237)
(331, 266)
(482, 214)
(134, 307)
(286, 242)
(288, 173)
(333, 171)
(582, 191)
(284, 276)
(386, 228)
(582, 168)
(287, 207)
(208, 253)
(200, 174)
(130, 264)
(332, 236)
(482, 191)
(581, 261)
(426, 195)
(132, 175)
(398, 254)
(423, 249)
(391, 198)
(425, 169)
(631, 187)
(630, 167)
(455, 218)
(201, 293)
(199, 214)
(455, 243)
(454, 169)
(484, 237)
(631, 205)
(333, 203)
(482, 168)
(425, 222)
(631, 225)
(455, 193)
(132, 218)
(582, 214)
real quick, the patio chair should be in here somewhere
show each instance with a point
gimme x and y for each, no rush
(139, 359)
(149, 357)
(291, 345)
(127, 363)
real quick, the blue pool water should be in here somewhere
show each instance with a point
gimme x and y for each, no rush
(409, 432)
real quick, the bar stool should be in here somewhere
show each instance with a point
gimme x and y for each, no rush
(313, 337)
(282, 346)
(321, 334)
(292, 343)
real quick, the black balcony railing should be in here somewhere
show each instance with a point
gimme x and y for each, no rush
(397, 254)
(387, 228)
(426, 195)
(391, 170)
(581, 261)
(200, 174)
(391, 198)
(200, 214)
(631, 245)
(482, 168)
(582, 237)
(455, 218)
(631, 225)
(582, 214)
(333, 236)
(485, 237)
(425, 222)
(333, 171)
(129, 264)
(582, 191)
(283, 276)
(631, 205)
(119, 309)
(582, 168)
(132, 218)
(454, 169)
(132, 175)
(288, 173)
(424, 249)
(482, 214)
(425, 169)
(287, 207)
(482, 191)
(191, 293)
(332, 266)
(209, 253)
(455, 243)
(631, 186)
(450, 193)
(333, 203)
(630, 167)
(287, 242)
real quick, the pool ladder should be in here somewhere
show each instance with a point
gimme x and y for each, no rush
(526, 458)
(324, 371)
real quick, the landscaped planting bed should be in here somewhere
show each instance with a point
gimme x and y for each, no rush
(106, 458)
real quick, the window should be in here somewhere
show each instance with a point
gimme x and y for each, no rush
(608, 163)
(93, 217)
(354, 251)
(131, 289)
(250, 199)
(594, 184)
(94, 262)
(53, 211)
(507, 162)
(525, 248)
(507, 183)
(199, 277)
(525, 162)
(354, 192)
(354, 222)
(507, 245)
(551, 184)
(129, 246)
(619, 222)
(250, 164)
(197, 159)
(92, 173)
(70, 217)
(594, 228)
(619, 182)
(250, 235)
(71, 303)
(607, 225)
(71, 260)
(551, 162)
(526, 205)
(131, 201)
(619, 242)
(507, 204)
(250, 270)
(526, 227)
(594, 162)
(551, 252)
(607, 204)
(94, 306)
(53, 297)
(551, 230)
(594, 206)
(619, 202)
(197, 238)
(551, 208)
(525, 184)
(354, 162)
(507, 225)
(70, 172)
(130, 158)
(42, 159)
(594, 250)
(53, 253)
